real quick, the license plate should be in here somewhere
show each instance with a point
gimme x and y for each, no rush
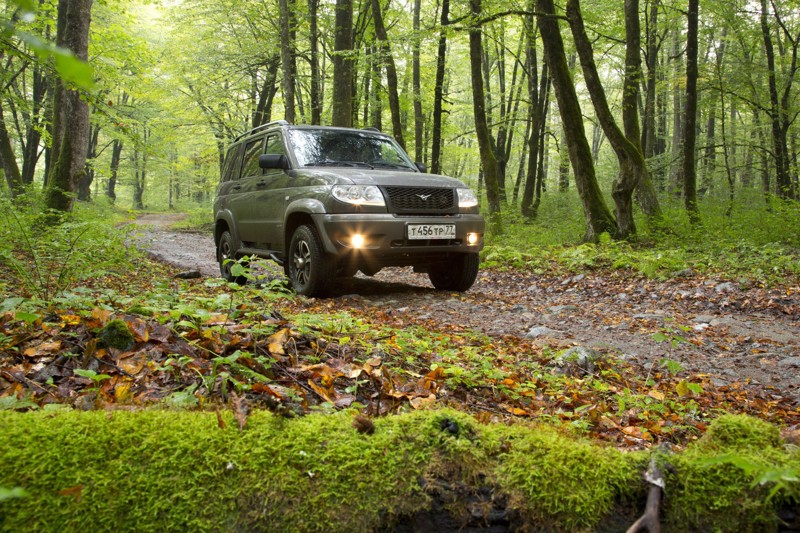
(431, 231)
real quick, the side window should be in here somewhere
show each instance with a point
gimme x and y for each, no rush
(252, 150)
(275, 145)
(233, 162)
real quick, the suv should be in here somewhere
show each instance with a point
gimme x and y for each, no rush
(326, 202)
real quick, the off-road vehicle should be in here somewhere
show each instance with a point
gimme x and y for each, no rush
(326, 202)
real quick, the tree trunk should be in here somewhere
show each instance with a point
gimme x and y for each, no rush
(778, 113)
(419, 119)
(489, 164)
(85, 184)
(676, 172)
(116, 153)
(690, 118)
(391, 72)
(438, 90)
(598, 218)
(316, 90)
(73, 116)
(288, 63)
(537, 98)
(632, 167)
(8, 161)
(343, 65)
(30, 156)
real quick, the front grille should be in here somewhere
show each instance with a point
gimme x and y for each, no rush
(422, 200)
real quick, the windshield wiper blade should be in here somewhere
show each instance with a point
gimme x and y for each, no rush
(339, 164)
(389, 165)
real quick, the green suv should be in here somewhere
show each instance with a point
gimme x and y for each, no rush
(326, 202)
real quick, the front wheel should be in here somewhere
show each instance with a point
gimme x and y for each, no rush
(226, 257)
(310, 270)
(456, 275)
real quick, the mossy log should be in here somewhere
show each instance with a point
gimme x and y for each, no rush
(183, 471)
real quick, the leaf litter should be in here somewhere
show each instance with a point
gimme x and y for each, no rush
(257, 350)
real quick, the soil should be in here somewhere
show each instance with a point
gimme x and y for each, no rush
(735, 332)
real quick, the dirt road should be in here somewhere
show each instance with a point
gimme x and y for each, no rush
(732, 332)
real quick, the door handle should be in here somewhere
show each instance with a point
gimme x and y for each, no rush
(237, 187)
(261, 183)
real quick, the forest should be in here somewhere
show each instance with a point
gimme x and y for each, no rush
(626, 360)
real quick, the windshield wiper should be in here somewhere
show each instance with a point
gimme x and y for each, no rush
(339, 164)
(389, 165)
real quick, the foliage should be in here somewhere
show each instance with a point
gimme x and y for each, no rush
(46, 259)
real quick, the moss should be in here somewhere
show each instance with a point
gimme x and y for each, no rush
(116, 334)
(713, 481)
(566, 485)
(180, 471)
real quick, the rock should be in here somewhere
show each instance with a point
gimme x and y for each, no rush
(518, 309)
(725, 287)
(685, 273)
(579, 277)
(622, 296)
(577, 358)
(558, 309)
(540, 331)
(790, 361)
(650, 316)
(704, 319)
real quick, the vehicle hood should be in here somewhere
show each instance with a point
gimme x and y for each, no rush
(365, 176)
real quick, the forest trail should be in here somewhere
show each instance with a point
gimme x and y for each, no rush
(731, 332)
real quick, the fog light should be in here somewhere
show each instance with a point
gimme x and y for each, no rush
(472, 239)
(357, 241)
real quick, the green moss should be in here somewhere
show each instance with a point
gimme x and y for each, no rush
(713, 482)
(116, 334)
(179, 471)
(565, 485)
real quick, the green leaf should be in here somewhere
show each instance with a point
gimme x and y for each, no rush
(69, 68)
(659, 337)
(91, 374)
(28, 318)
(10, 494)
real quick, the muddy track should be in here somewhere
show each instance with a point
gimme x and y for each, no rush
(733, 333)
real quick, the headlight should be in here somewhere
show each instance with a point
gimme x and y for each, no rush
(467, 198)
(359, 194)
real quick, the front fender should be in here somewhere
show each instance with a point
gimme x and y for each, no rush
(225, 218)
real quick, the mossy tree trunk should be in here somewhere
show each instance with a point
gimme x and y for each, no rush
(71, 125)
(489, 163)
(598, 217)
(342, 114)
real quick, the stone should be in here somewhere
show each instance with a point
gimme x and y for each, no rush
(540, 331)
(189, 274)
(725, 287)
(650, 316)
(558, 309)
(704, 319)
(577, 358)
(790, 361)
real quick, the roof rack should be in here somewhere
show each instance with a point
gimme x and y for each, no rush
(261, 127)
(371, 128)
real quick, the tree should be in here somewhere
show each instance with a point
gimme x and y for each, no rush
(598, 217)
(71, 121)
(288, 62)
(438, 89)
(343, 65)
(391, 71)
(489, 164)
(690, 117)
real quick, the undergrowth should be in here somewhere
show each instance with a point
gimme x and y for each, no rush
(757, 243)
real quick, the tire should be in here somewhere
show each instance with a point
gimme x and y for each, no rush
(456, 275)
(311, 271)
(226, 252)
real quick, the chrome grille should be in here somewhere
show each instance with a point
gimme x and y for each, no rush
(423, 200)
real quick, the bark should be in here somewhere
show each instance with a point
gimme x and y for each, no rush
(8, 160)
(116, 153)
(489, 165)
(419, 120)
(676, 173)
(632, 167)
(288, 60)
(598, 218)
(140, 170)
(391, 72)
(779, 117)
(690, 118)
(266, 94)
(73, 129)
(343, 65)
(316, 89)
(438, 90)
(537, 97)
(32, 151)
(85, 184)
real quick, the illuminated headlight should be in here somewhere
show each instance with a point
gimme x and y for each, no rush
(359, 194)
(357, 241)
(467, 198)
(473, 238)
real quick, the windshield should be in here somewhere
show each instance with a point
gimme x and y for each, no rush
(321, 147)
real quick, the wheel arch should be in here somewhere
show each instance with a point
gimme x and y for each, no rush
(299, 213)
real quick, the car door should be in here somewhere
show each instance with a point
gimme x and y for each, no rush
(241, 203)
(269, 198)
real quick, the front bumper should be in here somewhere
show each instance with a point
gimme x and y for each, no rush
(386, 235)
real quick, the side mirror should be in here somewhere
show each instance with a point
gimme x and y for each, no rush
(278, 161)
(422, 167)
